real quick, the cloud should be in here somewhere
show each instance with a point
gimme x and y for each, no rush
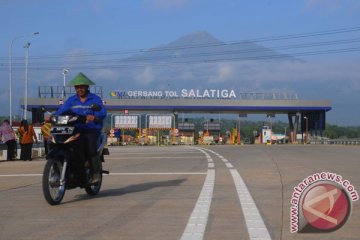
(107, 75)
(145, 77)
(337, 76)
(224, 73)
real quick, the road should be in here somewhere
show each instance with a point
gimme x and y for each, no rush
(178, 192)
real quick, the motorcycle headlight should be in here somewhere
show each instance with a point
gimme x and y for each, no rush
(62, 119)
(53, 119)
(73, 118)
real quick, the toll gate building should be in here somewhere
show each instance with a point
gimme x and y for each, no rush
(303, 115)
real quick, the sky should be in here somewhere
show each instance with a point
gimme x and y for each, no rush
(113, 29)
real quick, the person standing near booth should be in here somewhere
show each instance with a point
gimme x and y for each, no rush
(7, 135)
(45, 131)
(28, 138)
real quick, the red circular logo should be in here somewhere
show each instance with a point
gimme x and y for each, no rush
(326, 207)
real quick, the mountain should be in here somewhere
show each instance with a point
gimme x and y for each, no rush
(201, 47)
(199, 60)
(196, 38)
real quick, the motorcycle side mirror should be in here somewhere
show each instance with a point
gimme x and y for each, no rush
(44, 110)
(95, 107)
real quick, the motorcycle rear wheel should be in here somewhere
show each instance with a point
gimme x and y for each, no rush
(52, 189)
(94, 188)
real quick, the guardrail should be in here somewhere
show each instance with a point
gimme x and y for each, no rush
(340, 141)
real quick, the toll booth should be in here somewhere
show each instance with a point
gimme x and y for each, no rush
(211, 132)
(265, 134)
(186, 133)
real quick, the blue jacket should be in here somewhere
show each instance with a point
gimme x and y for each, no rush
(74, 105)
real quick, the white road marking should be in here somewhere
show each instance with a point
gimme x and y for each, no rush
(22, 175)
(229, 165)
(196, 225)
(126, 157)
(151, 151)
(112, 174)
(164, 173)
(254, 222)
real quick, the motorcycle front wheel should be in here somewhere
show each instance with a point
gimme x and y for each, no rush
(53, 190)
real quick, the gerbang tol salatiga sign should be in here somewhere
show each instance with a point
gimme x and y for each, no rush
(183, 93)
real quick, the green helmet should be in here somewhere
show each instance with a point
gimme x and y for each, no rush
(81, 79)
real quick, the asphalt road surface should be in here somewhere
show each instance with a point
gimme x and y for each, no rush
(185, 192)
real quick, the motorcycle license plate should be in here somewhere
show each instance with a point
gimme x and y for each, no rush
(62, 130)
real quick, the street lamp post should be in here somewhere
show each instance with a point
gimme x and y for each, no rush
(271, 131)
(306, 130)
(65, 71)
(238, 139)
(239, 130)
(10, 71)
(27, 46)
(207, 127)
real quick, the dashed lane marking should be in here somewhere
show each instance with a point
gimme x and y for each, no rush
(196, 226)
(254, 222)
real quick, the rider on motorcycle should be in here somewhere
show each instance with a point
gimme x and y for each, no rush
(90, 129)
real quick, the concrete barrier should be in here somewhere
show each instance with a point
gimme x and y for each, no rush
(36, 153)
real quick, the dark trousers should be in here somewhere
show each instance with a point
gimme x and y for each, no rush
(46, 146)
(26, 150)
(11, 146)
(89, 139)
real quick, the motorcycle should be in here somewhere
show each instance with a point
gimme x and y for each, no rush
(67, 167)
